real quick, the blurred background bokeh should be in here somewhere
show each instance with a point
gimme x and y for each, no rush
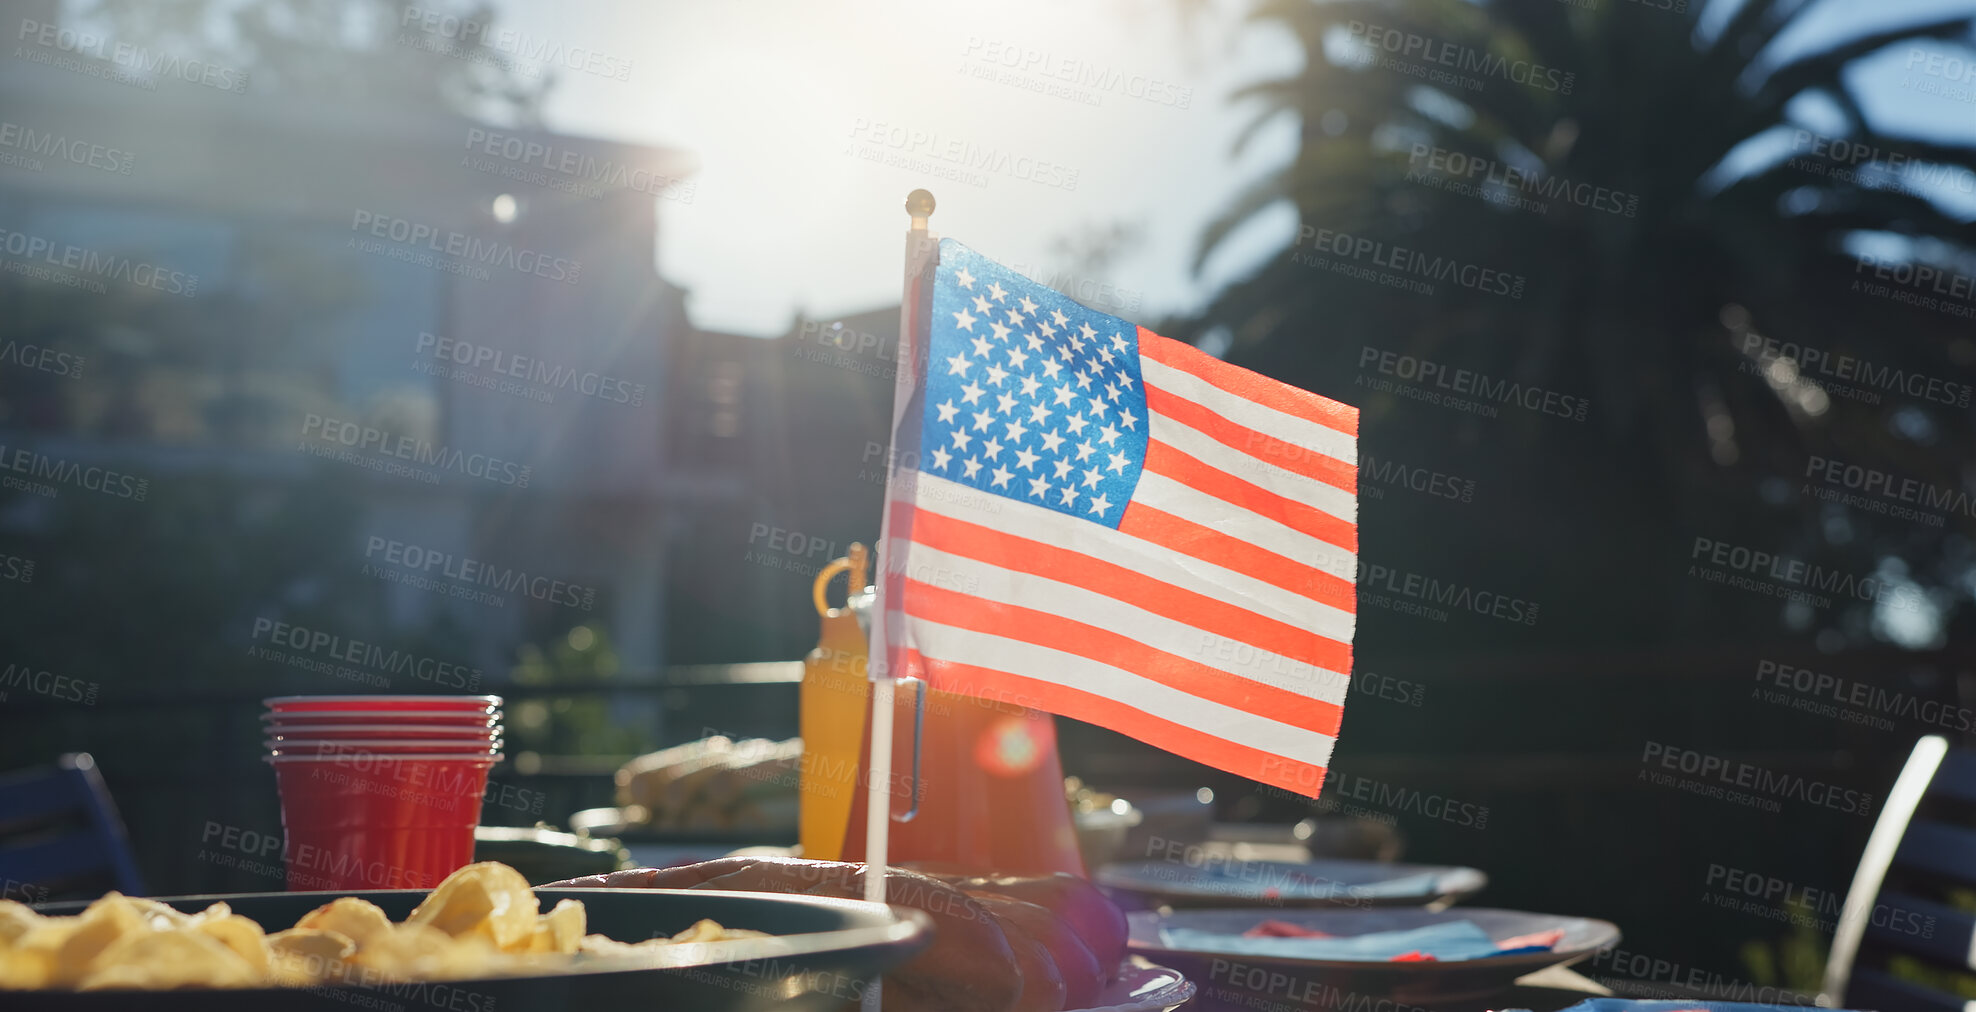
(546, 350)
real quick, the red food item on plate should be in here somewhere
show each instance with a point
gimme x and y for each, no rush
(1284, 929)
(1533, 940)
(1416, 956)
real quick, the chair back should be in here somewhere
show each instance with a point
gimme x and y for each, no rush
(60, 836)
(1904, 936)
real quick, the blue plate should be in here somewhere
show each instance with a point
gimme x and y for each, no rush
(1276, 981)
(1332, 883)
(1664, 1005)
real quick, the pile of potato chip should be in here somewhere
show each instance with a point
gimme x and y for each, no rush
(482, 921)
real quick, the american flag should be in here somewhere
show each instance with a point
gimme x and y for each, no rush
(1089, 519)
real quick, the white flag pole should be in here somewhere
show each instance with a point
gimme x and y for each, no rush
(878, 791)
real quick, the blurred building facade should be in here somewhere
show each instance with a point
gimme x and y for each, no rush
(461, 326)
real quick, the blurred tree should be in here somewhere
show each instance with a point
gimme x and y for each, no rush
(1672, 216)
(584, 660)
(356, 51)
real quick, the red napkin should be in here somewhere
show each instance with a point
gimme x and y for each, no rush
(1283, 929)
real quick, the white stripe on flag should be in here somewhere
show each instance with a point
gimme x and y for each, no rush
(1188, 503)
(1260, 417)
(993, 583)
(1254, 470)
(963, 646)
(935, 494)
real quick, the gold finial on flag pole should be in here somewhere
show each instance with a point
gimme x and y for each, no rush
(919, 204)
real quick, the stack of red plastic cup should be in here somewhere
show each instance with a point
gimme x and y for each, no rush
(380, 792)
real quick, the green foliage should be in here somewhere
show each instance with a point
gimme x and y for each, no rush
(1794, 962)
(581, 725)
(1641, 298)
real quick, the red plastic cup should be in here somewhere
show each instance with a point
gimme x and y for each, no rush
(341, 748)
(294, 704)
(378, 821)
(450, 718)
(282, 730)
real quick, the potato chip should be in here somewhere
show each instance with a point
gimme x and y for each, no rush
(26, 969)
(158, 915)
(560, 930)
(15, 919)
(360, 920)
(301, 956)
(213, 912)
(606, 946)
(488, 900)
(241, 934)
(97, 928)
(169, 959)
(704, 930)
(423, 952)
(48, 936)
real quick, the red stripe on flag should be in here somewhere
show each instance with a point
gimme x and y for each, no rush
(1055, 632)
(1024, 555)
(1209, 545)
(1242, 439)
(1265, 767)
(1248, 385)
(1178, 465)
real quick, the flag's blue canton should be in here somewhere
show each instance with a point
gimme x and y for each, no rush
(1030, 395)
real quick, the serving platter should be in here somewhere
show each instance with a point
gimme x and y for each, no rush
(820, 955)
